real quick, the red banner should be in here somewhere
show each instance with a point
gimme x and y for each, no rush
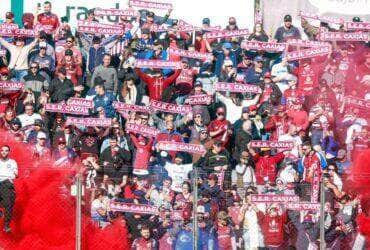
(133, 208)
(303, 206)
(170, 107)
(80, 102)
(307, 53)
(150, 5)
(120, 106)
(307, 43)
(272, 144)
(141, 129)
(66, 109)
(8, 86)
(6, 32)
(98, 28)
(190, 54)
(158, 64)
(183, 147)
(235, 87)
(199, 99)
(357, 26)
(274, 198)
(24, 33)
(357, 102)
(226, 33)
(254, 45)
(315, 189)
(344, 36)
(10, 26)
(89, 122)
(325, 19)
(47, 28)
(116, 12)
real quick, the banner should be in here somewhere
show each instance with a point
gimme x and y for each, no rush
(6, 32)
(315, 189)
(66, 109)
(80, 102)
(325, 19)
(116, 12)
(344, 36)
(255, 45)
(170, 107)
(24, 33)
(133, 208)
(357, 26)
(307, 43)
(120, 106)
(100, 31)
(9, 26)
(357, 102)
(303, 206)
(11, 86)
(272, 144)
(199, 99)
(235, 87)
(141, 129)
(183, 147)
(307, 53)
(89, 122)
(274, 198)
(47, 28)
(158, 64)
(226, 33)
(150, 5)
(190, 54)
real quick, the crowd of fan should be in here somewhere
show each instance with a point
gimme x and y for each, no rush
(301, 101)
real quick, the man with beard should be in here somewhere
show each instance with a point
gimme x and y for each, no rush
(145, 241)
(8, 172)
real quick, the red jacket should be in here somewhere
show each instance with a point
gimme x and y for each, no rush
(266, 167)
(157, 84)
(272, 228)
(278, 126)
(142, 154)
(216, 125)
(49, 20)
(308, 79)
(312, 167)
(299, 118)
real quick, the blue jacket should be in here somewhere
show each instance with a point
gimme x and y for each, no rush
(323, 163)
(105, 101)
(220, 58)
(95, 57)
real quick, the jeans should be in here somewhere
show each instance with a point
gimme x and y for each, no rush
(19, 74)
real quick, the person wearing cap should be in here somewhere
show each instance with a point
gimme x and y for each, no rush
(278, 123)
(46, 62)
(50, 50)
(227, 53)
(151, 19)
(38, 126)
(206, 23)
(216, 160)
(287, 31)
(96, 54)
(271, 93)
(185, 81)
(157, 83)
(40, 149)
(256, 73)
(291, 92)
(69, 45)
(202, 139)
(74, 70)
(19, 53)
(61, 88)
(220, 128)
(63, 155)
(15, 130)
(144, 44)
(207, 77)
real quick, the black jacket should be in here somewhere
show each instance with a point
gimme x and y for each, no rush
(60, 90)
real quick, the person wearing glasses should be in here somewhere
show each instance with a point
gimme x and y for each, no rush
(35, 82)
(69, 45)
(8, 172)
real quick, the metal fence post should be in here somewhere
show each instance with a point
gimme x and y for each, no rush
(322, 216)
(195, 219)
(78, 210)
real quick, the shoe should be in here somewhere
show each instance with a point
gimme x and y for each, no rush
(7, 229)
